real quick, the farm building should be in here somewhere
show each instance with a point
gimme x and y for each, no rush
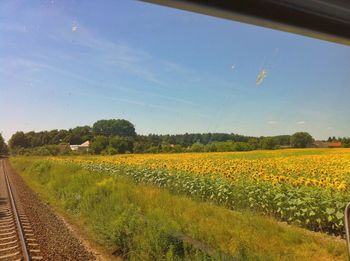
(325, 144)
(84, 146)
(334, 144)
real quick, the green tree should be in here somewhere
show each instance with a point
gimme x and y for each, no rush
(19, 140)
(99, 144)
(282, 139)
(268, 143)
(3, 146)
(253, 143)
(121, 144)
(224, 146)
(211, 147)
(301, 140)
(114, 127)
(79, 135)
(197, 147)
(345, 142)
(241, 146)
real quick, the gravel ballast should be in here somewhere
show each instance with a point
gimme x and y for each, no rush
(56, 240)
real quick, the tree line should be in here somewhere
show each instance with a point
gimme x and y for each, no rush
(3, 146)
(117, 136)
(345, 141)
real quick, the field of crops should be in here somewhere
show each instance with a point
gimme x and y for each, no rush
(145, 222)
(309, 187)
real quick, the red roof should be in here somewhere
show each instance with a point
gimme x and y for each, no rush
(334, 144)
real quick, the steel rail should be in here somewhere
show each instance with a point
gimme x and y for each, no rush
(347, 228)
(25, 251)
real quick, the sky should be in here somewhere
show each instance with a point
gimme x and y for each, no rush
(70, 63)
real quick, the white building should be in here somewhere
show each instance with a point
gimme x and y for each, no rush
(83, 146)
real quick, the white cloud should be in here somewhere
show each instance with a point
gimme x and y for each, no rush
(301, 122)
(33, 65)
(272, 122)
(143, 104)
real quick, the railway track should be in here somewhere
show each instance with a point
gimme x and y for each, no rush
(17, 240)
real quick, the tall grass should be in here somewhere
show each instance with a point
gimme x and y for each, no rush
(140, 222)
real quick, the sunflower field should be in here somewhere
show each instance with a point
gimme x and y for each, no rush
(305, 187)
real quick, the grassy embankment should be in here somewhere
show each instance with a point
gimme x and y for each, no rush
(304, 187)
(139, 222)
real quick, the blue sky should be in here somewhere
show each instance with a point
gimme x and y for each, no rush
(70, 63)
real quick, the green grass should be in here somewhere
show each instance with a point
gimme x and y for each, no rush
(138, 221)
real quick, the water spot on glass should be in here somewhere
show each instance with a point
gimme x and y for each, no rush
(74, 27)
(261, 76)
